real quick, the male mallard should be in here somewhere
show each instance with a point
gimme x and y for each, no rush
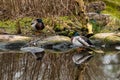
(80, 41)
(37, 25)
(83, 44)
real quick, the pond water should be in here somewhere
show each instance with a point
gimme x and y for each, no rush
(105, 66)
(14, 66)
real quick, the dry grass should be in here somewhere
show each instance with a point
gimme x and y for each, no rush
(36, 8)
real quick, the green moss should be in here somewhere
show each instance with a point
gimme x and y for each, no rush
(113, 8)
(10, 25)
(26, 21)
(96, 28)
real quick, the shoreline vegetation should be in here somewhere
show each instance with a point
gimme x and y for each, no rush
(61, 20)
(55, 19)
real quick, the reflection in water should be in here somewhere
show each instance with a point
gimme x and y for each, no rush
(59, 67)
(25, 67)
(112, 71)
(110, 59)
(103, 67)
(111, 65)
(18, 74)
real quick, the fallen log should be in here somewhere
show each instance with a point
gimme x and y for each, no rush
(12, 38)
(109, 40)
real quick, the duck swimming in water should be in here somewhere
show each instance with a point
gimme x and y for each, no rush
(37, 25)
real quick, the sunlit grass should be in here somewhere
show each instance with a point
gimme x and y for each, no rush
(113, 8)
(10, 26)
(112, 11)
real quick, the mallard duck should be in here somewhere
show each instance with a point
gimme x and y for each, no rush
(37, 25)
(80, 41)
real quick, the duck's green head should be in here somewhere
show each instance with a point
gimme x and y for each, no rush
(76, 34)
(39, 20)
(73, 34)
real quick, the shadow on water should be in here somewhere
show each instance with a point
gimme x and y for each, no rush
(53, 66)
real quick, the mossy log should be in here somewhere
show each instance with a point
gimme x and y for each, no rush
(106, 38)
(15, 42)
(12, 38)
(53, 39)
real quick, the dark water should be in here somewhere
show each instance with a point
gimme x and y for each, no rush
(14, 66)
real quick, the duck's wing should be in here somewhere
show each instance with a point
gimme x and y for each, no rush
(87, 40)
(82, 41)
